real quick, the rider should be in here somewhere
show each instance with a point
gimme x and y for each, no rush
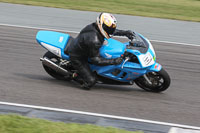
(87, 43)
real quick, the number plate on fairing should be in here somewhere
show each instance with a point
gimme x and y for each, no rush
(146, 60)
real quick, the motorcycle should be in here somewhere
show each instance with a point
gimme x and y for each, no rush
(139, 64)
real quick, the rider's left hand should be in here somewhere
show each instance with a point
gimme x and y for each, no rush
(118, 61)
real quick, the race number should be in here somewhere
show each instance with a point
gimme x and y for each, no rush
(146, 60)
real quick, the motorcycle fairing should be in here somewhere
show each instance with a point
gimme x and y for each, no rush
(55, 42)
(116, 72)
(129, 72)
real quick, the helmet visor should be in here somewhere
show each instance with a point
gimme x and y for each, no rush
(109, 30)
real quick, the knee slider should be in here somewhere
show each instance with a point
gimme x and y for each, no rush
(91, 81)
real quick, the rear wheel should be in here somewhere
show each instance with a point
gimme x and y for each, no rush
(160, 81)
(52, 72)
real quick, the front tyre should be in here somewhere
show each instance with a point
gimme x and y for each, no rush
(160, 81)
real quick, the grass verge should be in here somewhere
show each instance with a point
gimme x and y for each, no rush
(20, 124)
(172, 9)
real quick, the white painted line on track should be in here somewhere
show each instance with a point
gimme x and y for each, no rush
(42, 28)
(180, 130)
(39, 28)
(178, 43)
(100, 115)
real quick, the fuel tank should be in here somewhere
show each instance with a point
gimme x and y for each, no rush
(112, 49)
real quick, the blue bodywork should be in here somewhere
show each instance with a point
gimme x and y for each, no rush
(108, 50)
(55, 39)
(125, 72)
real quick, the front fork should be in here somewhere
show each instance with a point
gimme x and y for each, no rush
(154, 68)
(147, 79)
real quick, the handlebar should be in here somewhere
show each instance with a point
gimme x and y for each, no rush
(135, 43)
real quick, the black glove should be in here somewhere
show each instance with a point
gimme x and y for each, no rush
(130, 34)
(117, 61)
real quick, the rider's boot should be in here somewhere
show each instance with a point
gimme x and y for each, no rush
(78, 79)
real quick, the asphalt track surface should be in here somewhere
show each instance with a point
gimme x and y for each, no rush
(23, 80)
(73, 20)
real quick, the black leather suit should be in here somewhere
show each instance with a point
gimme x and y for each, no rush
(86, 45)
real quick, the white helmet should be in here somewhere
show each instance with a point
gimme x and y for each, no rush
(107, 24)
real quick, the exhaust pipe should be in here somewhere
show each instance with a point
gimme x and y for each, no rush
(54, 66)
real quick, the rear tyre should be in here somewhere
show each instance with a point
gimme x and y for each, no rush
(160, 81)
(52, 72)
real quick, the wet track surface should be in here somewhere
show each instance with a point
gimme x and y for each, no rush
(23, 80)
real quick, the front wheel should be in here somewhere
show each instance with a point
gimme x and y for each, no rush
(159, 81)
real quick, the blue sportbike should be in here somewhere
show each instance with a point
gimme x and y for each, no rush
(139, 64)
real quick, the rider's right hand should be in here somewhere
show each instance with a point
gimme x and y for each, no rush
(118, 61)
(130, 34)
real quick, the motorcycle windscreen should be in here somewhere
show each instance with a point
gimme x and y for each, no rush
(112, 49)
